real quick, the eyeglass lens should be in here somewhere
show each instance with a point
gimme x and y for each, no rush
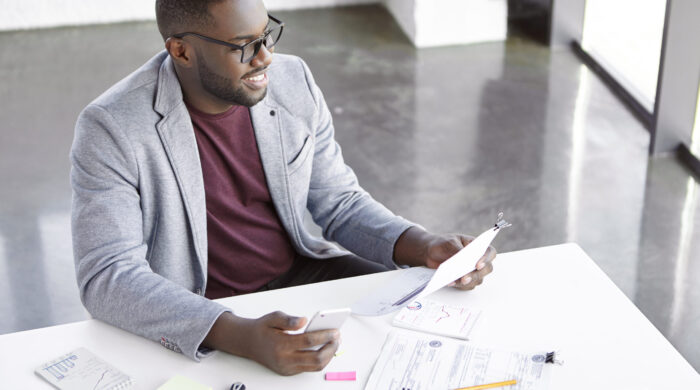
(268, 40)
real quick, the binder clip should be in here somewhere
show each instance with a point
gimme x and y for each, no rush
(553, 358)
(501, 223)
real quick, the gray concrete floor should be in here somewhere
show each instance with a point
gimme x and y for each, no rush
(446, 137)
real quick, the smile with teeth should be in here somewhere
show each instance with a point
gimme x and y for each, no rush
(259, 77)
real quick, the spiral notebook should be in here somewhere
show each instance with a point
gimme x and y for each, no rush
(82, 370)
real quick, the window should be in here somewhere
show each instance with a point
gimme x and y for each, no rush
(624, 36)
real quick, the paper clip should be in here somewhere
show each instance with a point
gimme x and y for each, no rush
(501, 223)
(552, 358)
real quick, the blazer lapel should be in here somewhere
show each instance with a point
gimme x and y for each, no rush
(177, 135)
(266, 124)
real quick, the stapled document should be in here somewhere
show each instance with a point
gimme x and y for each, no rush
(412, 360)
(415, 283)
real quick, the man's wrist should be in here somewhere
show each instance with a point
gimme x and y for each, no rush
(411, 247)
(229, 334)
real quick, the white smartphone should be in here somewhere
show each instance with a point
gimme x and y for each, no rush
(327, 319)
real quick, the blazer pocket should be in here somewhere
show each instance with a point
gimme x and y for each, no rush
(301, 157)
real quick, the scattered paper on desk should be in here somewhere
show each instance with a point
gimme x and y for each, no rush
(415, 283)
(82, 370)
(462, 263)
(179, 382)
(382, 301)
(439, 318)
(411, 360)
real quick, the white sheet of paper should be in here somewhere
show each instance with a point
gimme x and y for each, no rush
(82, 370)
(407, 287)
(411, 360)
(462, 263)
(438, 318)
(382, 301)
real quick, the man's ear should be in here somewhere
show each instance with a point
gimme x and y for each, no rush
(180, 51)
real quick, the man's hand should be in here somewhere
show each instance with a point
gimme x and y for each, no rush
(266, 341)
(417, 247)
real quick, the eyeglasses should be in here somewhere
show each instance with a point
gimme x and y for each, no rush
(251, 49)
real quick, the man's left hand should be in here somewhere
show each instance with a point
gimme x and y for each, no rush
(417, 247)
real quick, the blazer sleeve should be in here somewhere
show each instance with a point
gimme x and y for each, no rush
(114, 278)
(346, 212)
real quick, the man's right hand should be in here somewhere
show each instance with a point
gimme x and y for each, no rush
(266, 341)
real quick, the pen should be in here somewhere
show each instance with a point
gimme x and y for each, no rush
(411, 294)
(489, 385)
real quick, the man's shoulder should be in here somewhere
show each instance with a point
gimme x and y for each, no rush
(135, 91)
(291, 84)
(288, 71)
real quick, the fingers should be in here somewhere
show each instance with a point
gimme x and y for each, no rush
(289, 354)
(465, 239)
(317, 360)
(474, 278)
(309, 360)
(488, 257)
(283, 321)
(445, 247)
(312, 339)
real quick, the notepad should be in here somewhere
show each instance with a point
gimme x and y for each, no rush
(435, 317)
(82, 370)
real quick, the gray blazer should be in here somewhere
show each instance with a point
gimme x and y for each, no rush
(139, 220)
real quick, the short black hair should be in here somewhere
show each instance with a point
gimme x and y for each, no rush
(177, 16)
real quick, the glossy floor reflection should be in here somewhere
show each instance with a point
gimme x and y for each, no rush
(446, 137)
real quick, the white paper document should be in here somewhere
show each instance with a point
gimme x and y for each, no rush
(383, 301)
(462, 263)
(82, 370)
(417, 361)
(438, 318)
(415, 283)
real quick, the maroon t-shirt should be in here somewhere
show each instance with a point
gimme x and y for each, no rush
(248, 247)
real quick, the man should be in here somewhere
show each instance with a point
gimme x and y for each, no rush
(190, 181)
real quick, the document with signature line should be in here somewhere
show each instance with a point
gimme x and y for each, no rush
(418, 361)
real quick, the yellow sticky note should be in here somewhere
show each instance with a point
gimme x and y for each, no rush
(179, 382)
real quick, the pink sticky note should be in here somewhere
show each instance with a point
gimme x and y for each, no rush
(341, 376)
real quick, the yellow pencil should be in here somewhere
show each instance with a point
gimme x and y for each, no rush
(489, 385)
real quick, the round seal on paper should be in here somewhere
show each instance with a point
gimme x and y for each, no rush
(538, 358)
(435, 344)
(415, 306)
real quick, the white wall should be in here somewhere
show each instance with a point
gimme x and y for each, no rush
(404, 12)
(426, 22)
(450, 22)
(296, 4)
(453, 22)
(28, 14)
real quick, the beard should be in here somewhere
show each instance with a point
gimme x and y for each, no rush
(223, 88)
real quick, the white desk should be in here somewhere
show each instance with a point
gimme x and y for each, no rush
(545, 298)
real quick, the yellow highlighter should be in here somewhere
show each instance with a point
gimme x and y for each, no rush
(489, 385)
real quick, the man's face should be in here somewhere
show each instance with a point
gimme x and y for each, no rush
(221, 72)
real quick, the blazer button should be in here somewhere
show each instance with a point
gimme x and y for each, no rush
(272, 113)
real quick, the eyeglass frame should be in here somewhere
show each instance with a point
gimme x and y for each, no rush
(260, 39)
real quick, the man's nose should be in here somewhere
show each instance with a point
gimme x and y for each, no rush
(263, 58)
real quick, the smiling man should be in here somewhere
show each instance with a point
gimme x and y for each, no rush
(191, 178)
